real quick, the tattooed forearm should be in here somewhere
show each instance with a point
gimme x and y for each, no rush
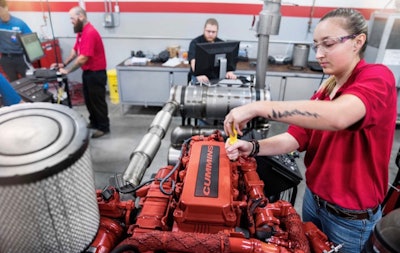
(277, 114)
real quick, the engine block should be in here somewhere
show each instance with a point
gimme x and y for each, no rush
(205, 203)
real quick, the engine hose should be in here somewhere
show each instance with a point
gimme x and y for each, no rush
(173, 170)
(178, 242)
(261, 202)
(186, 242)
(124, 248)
(172, 187)
(129, 188)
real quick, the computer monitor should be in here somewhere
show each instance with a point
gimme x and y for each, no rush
(32, 47)
(215, 59)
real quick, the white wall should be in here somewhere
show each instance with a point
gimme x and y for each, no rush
(154, 32)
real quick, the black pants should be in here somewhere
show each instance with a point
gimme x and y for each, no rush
(13, 66)
(94, 92)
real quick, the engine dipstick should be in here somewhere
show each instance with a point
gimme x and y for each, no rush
(233, 137)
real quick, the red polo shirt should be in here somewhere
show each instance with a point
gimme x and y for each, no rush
(350, 167)
(90, 44)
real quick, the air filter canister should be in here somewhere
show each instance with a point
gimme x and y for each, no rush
(47, 193)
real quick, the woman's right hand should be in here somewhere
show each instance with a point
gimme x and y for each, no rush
(239, 148)
(238, 117)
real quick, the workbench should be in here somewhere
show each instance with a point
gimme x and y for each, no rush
(150, 84)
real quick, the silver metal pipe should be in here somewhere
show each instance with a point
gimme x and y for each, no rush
(268, 24)
(174, 155)
(145, 152)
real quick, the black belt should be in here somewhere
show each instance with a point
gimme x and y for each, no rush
(11, 55)
(94, 71)
(351, 215)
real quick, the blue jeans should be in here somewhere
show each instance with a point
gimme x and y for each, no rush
(351, 233)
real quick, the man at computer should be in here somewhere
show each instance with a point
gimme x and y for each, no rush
(210, 35)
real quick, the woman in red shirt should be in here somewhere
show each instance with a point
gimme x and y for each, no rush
(346, 130)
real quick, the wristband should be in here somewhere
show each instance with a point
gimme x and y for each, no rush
(255, 149)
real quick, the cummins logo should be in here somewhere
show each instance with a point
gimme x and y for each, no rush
(208, 172)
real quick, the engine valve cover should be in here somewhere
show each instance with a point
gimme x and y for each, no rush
(207, 192)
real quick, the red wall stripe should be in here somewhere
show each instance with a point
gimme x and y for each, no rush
(167, 7)
(183, 7)
(176, 7)
(318, 12)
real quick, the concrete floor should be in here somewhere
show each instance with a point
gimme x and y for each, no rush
(110, 153)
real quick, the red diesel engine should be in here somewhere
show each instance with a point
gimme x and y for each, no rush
(205, 203)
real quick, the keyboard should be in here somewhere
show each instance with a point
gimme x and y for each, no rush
(30, 91)
(45, 74)
(230, 81)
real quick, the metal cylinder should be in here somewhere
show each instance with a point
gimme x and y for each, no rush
(300, 55)
(269, 22)
(214, 102)
(47, 192)
(270, 18)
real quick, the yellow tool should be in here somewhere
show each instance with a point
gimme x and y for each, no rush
(233, 137)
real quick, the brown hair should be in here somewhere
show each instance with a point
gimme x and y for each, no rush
(211, 21)
(3, 3)
(353, 22)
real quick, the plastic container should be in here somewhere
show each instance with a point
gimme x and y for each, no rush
(113, 85)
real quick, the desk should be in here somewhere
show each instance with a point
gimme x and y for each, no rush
(284, 82)
(150, 85)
